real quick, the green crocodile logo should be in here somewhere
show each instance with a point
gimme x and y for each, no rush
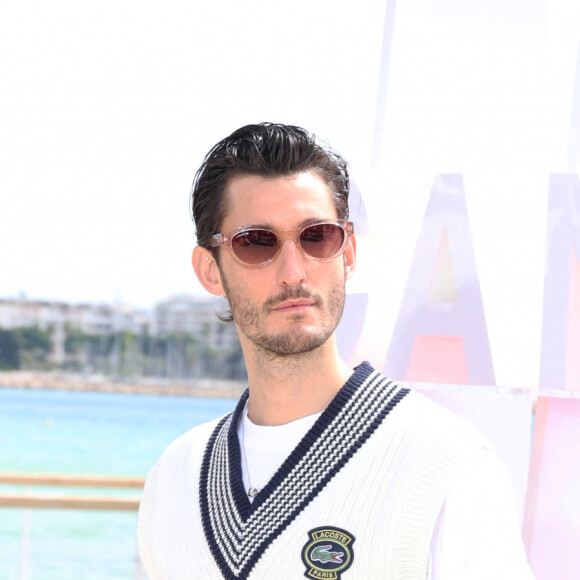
(323, 554)
(327, 553)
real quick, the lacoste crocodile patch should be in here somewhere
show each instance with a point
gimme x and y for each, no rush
(328, 552)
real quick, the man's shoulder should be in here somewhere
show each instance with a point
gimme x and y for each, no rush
(418, 417)
(425, 409)
(412, 415)
(194, 439)
(185, 451)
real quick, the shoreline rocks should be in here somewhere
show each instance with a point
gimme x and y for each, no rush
(139, 386)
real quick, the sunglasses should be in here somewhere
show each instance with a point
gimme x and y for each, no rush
(255, 246)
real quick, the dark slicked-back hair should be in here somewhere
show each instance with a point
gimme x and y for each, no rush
(269, 150)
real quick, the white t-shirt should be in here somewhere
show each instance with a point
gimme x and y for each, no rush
(476, 532)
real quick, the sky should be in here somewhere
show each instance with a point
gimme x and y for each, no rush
(111, 107)
(108, 109)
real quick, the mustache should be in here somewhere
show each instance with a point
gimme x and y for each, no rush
(292, 293)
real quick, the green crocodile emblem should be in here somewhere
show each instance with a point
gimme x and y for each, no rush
(323, 554)
(327, 553)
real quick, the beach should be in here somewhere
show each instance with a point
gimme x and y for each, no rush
(57, 380)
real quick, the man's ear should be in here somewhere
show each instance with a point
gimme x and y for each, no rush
(207, 271)
(350, 257)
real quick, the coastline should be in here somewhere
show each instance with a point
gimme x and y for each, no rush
(59, 381)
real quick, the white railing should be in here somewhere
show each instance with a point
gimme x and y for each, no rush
(28, 500)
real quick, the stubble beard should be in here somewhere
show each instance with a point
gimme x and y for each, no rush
(250, 320)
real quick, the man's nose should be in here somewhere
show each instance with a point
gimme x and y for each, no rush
(291, 265)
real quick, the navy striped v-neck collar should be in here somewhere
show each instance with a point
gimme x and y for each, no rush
(237, 530)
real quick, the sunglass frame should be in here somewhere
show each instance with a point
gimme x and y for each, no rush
(226, 238)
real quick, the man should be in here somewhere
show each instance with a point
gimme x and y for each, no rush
(321, 471)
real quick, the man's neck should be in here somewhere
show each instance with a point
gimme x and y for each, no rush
(286, 388)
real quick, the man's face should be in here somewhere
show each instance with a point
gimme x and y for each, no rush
(293, 304)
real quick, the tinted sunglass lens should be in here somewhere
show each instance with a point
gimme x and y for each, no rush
(255, 246)
(322, 240)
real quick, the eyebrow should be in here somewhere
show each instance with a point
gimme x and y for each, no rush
(268, 226)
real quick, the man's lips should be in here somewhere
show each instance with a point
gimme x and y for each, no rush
(291, 305)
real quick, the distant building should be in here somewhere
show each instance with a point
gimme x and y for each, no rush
(87, 318)
(186, 313)
(55, 317)
(179, 314)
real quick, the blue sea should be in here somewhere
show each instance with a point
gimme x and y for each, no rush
(44, 431)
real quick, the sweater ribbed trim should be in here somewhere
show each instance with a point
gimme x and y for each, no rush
(239, 531)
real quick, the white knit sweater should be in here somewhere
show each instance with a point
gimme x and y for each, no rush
(377, 465)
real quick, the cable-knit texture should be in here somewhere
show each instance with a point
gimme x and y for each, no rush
(378, 463)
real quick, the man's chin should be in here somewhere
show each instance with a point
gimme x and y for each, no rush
(293, 343)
